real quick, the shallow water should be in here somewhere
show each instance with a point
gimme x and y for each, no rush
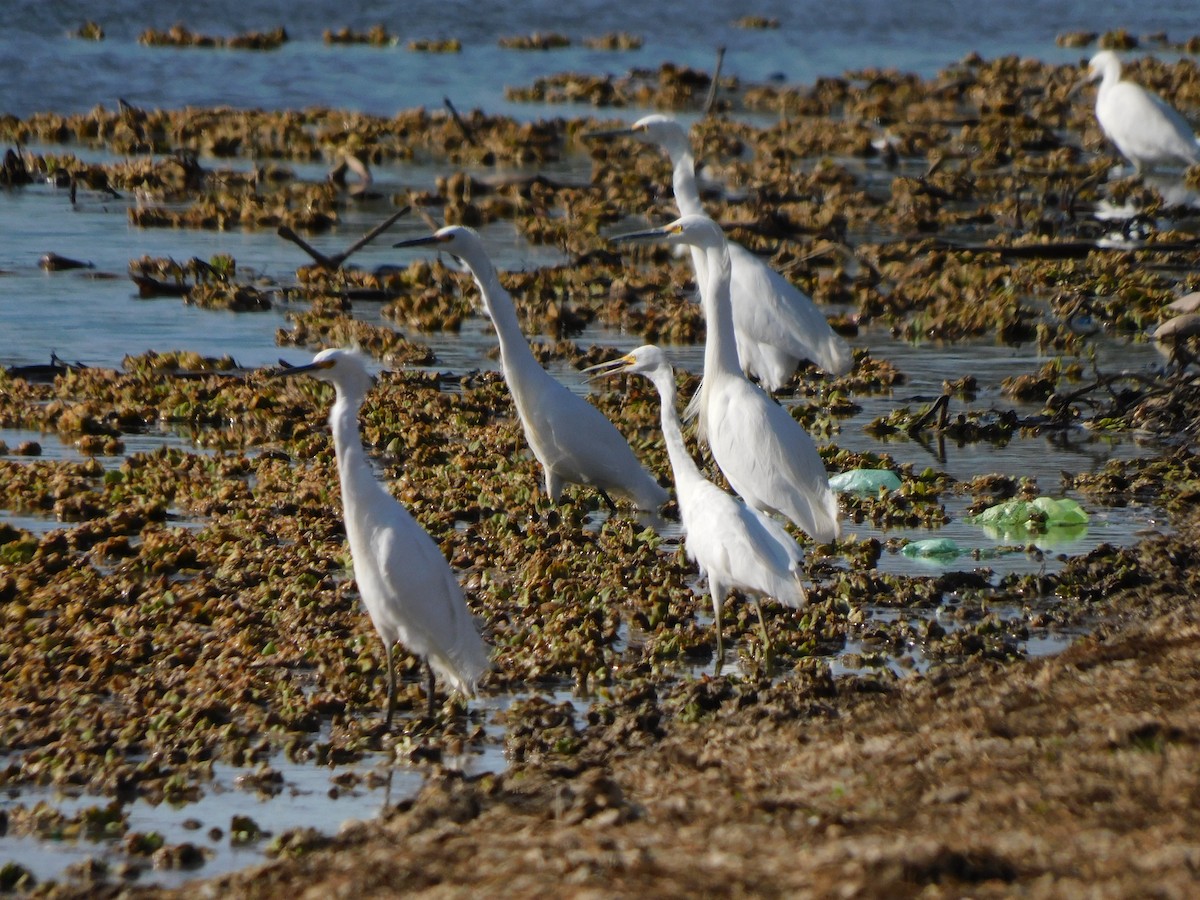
(95, 317)
(55, 72)
(307, 795)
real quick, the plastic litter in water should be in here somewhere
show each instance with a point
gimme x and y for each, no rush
(864, 481)
(932, 548)
(1031, 515)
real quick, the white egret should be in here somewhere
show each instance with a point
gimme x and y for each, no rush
(736, 547)
(1145, 128)
(571, 439)
(776, 325)
(408, 588)
(767, 456)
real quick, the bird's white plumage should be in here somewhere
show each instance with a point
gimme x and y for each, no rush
(768, 305)
(775, 324)
(571, 439)
(409, 590)
(1145, 128)
(401, 553)
(735, 547)
(766, 455)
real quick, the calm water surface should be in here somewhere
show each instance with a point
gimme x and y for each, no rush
(45, 71)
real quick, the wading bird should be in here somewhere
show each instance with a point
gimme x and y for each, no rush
(1145, 128)
(571, 439)
(767, 456)
(407, 586)
(776, 325)
(736, 547)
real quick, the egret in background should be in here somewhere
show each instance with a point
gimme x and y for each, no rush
(571, 439)
(776, 325)
(767, 456)
(407, 586)
(1145, 128)
(736, 547)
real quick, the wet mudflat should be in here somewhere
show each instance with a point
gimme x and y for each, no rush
(1059, 777)
(190, 614)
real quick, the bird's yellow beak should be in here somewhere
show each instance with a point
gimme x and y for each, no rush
(612, 367)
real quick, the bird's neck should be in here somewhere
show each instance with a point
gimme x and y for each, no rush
(682, 464)
(720, 346)
(1110, 77)
(514, 348)
(347, 443)
(683, 180)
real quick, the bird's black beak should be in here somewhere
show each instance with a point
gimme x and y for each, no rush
(648, 235)
(421, 241)
(608, 134)
(286, 368)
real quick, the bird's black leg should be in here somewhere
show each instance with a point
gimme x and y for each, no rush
(430, 689)
(719, 661)
(768, 656)
(389, 650)
(612, 507)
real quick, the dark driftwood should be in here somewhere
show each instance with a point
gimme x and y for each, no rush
(335, 262)
(41, 372)
(940, 408)
(152, 287)
(712, 88)
(462, 125)
(52, 262)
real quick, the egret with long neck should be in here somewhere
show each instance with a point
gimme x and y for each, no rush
(571, 439)
(1146, 129)
(735, 546)
(766, 455)
(774, 323)
(408, 588)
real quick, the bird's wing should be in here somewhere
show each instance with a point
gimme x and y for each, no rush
(424, 602)
(1176, 130)
(777, 553)
(772, 366)
(769, 308)
(770, 459)
(575, 440)
(1145, 127)
(744, 549)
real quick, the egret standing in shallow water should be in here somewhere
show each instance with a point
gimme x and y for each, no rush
(735, 546)
(1145, 128)
(767, 456)
(776, 325)
(571, 439)
(407, 586)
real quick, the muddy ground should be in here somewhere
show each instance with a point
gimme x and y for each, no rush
(1077, 775)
